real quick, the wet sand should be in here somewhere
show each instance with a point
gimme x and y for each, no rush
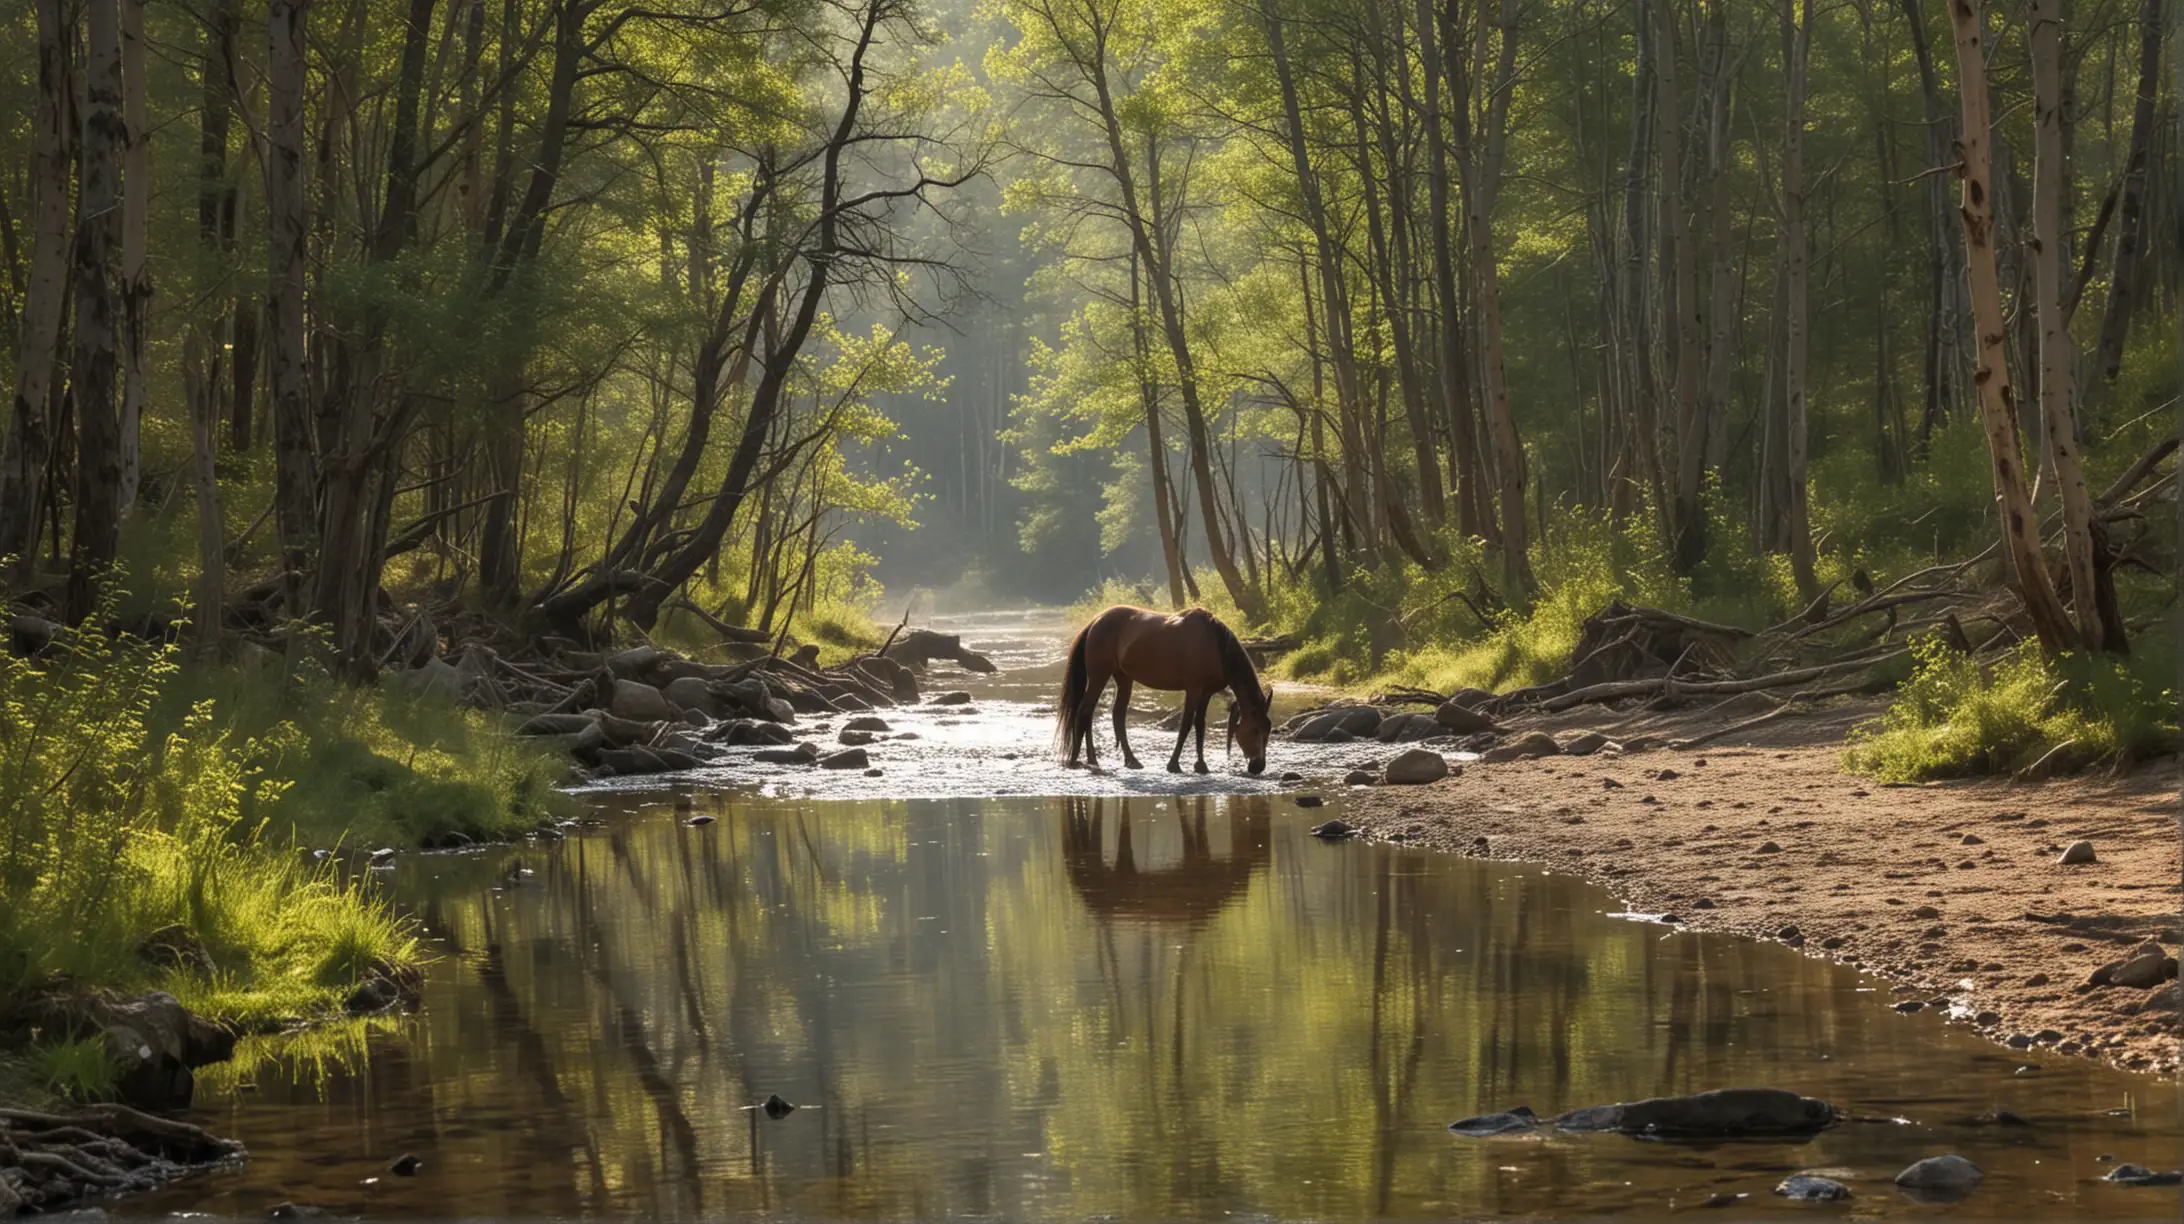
(1950, 890)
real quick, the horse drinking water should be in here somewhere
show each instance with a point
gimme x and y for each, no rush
(1190, 652)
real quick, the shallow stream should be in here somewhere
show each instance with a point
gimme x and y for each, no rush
(999, 989)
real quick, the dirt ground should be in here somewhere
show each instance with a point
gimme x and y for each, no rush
(1951, 890)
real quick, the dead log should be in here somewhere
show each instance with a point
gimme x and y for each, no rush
(920, 647)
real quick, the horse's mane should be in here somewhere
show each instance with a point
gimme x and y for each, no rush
(1236, 668)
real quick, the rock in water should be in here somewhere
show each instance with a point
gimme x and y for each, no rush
(1510, 1122)
(1722, 1113)
(1417, 765)
(1806, 1188)
(1530, 744)
(691, 693)
(2077, 854)
(406, 1165)
(1333, 830)
(2140, 1175)
(1310, 801)
(802, 754)
(867, 722)
(848, 758)
(1941, 1177)
(1359, 777)
(853, 739)
(952, 699)
(1462, 719)
(639, 702)
(775, 1107)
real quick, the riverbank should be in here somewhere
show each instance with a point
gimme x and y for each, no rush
(1953, 892)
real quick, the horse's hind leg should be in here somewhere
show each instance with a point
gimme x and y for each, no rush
(1087, 711)
(1193, 709)
(1122, 720)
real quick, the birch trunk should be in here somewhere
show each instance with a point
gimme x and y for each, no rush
(1991, 376)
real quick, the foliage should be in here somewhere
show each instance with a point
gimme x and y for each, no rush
(129, 858)
(1958, 717)
(74, 1068)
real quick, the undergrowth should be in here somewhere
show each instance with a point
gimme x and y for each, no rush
(132, 857)
(1957, 717)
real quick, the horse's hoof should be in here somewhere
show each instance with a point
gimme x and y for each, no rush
(1200, 768)
(1131, 763)
(1174, 768)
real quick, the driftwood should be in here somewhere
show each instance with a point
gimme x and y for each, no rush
(919, 647)
(48, 1161)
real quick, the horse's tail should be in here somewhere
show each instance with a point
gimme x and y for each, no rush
(1068, 717)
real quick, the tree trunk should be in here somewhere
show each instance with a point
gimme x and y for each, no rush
(1721, 358)
(1687, 519)
(29, 445)
(1480, 172)
(2123, 286)
(1156, 448)
(136, 283)
(1465, 478)
(95, 364)
(1797, 45)
(1997, 406)
(295, 463)
(207, 598)
(2057, 355)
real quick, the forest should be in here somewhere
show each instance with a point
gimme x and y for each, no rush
(354, 337)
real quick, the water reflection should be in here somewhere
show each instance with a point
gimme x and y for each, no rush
(1061, 1008)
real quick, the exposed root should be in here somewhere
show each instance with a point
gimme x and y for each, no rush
(48, 1161)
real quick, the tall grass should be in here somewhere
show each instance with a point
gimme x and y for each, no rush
(129, 859)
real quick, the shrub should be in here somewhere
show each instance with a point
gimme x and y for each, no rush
(1957, 718)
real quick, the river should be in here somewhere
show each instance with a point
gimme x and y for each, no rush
(999, 989)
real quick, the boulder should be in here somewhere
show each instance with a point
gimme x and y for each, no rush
(957, 698)
(853, 739)
(691, 693)
(1333, 830)
(1530, 744)
(1359, 777)
(2148, 966)
(635, 760)
(867, 722)
(744, 731)
(1721, 1113)
(155, 1043)
(807, 701)
(2077, 854)
(437, 677)
(1944, 1177)
(1810, 1188)
(1417, 766)
(2139, 1175)
(1585, 743)
(639, 702)
(848, 758)
(802, 754)
(1511, 1122)
(1462, 719)
(1401, 728)
(631, 662)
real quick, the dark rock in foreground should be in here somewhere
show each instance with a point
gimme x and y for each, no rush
(1511, 1122)
(2140, 1175)
(1806, 1188)
(1725, 1113)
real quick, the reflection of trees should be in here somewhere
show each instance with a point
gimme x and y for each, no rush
(1190, 892)
(1181, 1013)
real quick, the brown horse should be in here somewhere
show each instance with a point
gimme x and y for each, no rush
(1190, 652)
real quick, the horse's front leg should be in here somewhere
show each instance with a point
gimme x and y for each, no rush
(1122, 719)
(1201, 732)
(1191, 710)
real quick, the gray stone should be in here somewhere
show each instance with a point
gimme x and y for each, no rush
(1530, 744)
(2148, 966)
(1470, 698)
(1585, 743)
(2077, 854)
(691, 693)
(1510, 1122)
(639, 702)
(1359, 777)
(802, 754)
(1724, 1112)
(1462, 719)
(2140, 1175)
(155, 1043)
(957, 698)
(867, 722)
(847, 758)
(1807, 1188)
(853, 739)
(1400, 728)
(1416, 766)
(1941, 1176)
(1333, 830)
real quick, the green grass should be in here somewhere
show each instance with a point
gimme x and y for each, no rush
(74, 1069)
(137, 850)
(1958, 718)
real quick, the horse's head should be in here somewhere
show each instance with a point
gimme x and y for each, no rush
(1250, 722)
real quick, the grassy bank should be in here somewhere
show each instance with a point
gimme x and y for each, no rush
(157, 820)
